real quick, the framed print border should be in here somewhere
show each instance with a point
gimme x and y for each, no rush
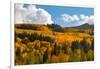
(37, 2)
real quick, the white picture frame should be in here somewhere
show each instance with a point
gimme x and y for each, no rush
(77, 3)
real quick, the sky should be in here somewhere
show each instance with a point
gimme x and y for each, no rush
(66, 16)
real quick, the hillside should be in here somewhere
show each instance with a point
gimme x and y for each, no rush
(55, 31)
(83, 26)
(40, 44)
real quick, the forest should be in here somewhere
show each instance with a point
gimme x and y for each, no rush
(52, 43)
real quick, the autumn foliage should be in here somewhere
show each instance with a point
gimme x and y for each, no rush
(40, 44)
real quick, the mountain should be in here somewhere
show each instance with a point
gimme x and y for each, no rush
(53, 27)
(83, 26)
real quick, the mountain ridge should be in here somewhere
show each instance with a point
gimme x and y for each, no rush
(83, 26)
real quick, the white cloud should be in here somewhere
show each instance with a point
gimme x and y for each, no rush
(69, 18)
(87, 19)
(43, 16)
(75, 17)
(91, 20)
(80, 19)
(82, 16)
(19, 13)
(31, 14)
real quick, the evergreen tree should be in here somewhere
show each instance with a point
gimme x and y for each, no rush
(85, 45)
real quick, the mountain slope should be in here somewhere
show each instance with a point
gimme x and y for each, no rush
(84, 26)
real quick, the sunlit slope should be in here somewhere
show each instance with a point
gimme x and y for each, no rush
(70, 34)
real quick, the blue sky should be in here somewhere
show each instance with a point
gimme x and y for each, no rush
(57, 11)
(67, 16)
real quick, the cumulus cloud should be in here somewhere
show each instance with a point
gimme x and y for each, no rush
(80, 19)
(86, 19)
(31, 14)
(69, 18)
(19, 13)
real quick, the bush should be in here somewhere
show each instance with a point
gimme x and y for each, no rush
(85, 45)
(75, 45)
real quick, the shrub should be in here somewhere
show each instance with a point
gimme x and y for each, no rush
(85, 45)
(75, 45)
